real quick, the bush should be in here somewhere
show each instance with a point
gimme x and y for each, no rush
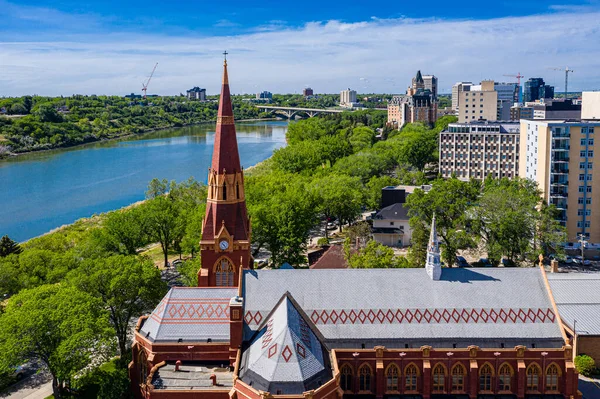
(323, 241)
(585, 365)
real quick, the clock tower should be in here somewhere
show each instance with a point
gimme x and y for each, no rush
(225, 244)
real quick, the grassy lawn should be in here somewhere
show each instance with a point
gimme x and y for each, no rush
(154, 252)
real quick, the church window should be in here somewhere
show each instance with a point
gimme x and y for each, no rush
(224, 273)
(346, 379)
(143, 362)
(224, 192)
(410, 374)
(365, 378)
(533, 378)
(485, 378)
(237, 190)
(439, 377)
(458, 378)
(552, 378)
(392, 377)
(504, 378)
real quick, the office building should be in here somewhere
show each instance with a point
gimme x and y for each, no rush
(520, 111)
(478, 149)
(537, 89)
(557, 109)
(307, 92)
(457, 89)
(507, 92)
(590, 105)
(196, 93)
(559, 156)
(264, 95)
(480, 102)
(430, 82)
(348, 98)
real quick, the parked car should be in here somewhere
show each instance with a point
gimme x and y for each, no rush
(568, 259)
(581, 261)
(485, 262)
(462, 262)
(508, 263)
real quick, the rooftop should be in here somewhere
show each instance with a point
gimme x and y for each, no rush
(193, 376)
(577, 296)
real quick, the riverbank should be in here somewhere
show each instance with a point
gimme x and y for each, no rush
(8, 155)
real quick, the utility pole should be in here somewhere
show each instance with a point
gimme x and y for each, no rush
(582, 242)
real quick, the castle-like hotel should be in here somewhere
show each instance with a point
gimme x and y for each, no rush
(365, 333)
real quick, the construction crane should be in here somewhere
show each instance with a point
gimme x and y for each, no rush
(566, 70)
(145, 84)
(518, 76)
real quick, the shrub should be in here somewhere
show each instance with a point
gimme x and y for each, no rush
(323, 241)
(585, 365)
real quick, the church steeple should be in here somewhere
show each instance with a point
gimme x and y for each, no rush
(225, 244)
(433, 265)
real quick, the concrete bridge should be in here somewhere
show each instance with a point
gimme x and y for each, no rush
(289, 112)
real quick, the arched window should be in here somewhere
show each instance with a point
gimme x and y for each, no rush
(224, 273)
(224, 191)
(392, 377)
(458, 378)
(504, 377)
(237, 190)
(143, 363)
(485, 378)
(410, 378)
(346, 378)
(533, 378)
(365, 378)
(552, 374)
(439, 377)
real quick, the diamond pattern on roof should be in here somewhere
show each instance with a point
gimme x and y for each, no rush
(286, 353)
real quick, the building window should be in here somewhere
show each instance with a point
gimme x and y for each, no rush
(143, 362)
(590, 154)
(504, 377)
(224, 273)
(485, 378)
(346, 378)
(533, 378)
(582, 165)
(458, 378)
(589, 176)
(439, 377)
(410, 378)
(392, 378)
(552, 374)
(583, 142)
(365, 378)
(591, 142)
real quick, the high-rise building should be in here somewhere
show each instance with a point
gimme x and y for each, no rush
(196, 93)
(536, 89)
(559, 156)
(430, 83)
(480, 102)
(477, 150)
(347, 97)
(418, 105)
(264, 95)
(507, 92)
(590, 105)
(307, 91)
(457, 89)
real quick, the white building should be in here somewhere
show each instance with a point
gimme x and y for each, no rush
(347, 98)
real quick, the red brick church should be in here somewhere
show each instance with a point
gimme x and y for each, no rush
(353, 333)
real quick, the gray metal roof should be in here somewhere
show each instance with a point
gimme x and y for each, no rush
(488, 306)
(191, 314)
(395, 211)
(286, 355)
(577, 296)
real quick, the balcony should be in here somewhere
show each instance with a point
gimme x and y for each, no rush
(560, 203)
(561, 168)
(559, 179)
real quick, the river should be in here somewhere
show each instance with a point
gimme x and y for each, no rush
(43, 191)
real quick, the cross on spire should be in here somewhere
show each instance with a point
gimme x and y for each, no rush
(225, 54)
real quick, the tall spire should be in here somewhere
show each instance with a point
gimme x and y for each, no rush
(225, 152)
(433, 265)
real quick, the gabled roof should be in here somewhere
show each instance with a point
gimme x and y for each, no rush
(395, 211)
(485, 306)
(286, 355)
(333, 258)
(190, 314)
(577, 296)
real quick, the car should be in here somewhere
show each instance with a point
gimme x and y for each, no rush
(19, 372)
(568, 259)
(508, 263)
(485, 262)
(331, 226)
(177, 262)
(462, 262)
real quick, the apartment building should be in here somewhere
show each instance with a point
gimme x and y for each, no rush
(347, 97)
(430, 82)
(196, 93)
(590, 105)
(559, 156)
(457, 89)
(478, 149)
(479, 102)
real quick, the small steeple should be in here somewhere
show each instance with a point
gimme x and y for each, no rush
(433, 265)
(419, 77)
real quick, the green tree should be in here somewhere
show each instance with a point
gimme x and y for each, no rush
(338, 196)
(449, 200)
(373, 256)
(418, 149)
(157, 187)
(164, 222)
(125, 230)
(374, 187)
(127, 286)
(8, 246)
(63, 327)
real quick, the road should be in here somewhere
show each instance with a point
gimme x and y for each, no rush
(36, 386)
(589, 387)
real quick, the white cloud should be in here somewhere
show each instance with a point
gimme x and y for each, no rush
(331, 55)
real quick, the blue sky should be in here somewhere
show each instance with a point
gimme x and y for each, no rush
(67, 46)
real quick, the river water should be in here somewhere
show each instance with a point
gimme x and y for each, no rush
(43, 191)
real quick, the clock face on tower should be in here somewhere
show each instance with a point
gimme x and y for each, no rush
(224, 244)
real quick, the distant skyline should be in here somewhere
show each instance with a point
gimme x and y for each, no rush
(67, 47)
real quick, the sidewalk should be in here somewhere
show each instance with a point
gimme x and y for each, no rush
(38, 386)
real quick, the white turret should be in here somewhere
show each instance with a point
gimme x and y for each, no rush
(433, 265)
